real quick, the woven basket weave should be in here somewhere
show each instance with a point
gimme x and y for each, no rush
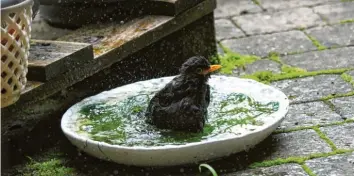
(15, 35)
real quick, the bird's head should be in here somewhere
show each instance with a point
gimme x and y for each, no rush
(198, 65)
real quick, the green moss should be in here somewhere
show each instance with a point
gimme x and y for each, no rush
(328, 97)
(348, 78)
(274, 56)
(49, 168)
(256, 2)
(316, 42)
(230, 60)
(321, 155)
(292, 129)
(347, 0)
(122, 123)
(325, 138)
(289, 72)
(346, 21)
(291, 97)
(311, 127)
(289, 69)
(261, 76)
(298, 160)
(307, 170)
(295, 52)
(301, 28)
(278, 161)
(214, 59)
(49, 164)
(331, 105)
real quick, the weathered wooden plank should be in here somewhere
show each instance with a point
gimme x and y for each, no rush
(48, 59)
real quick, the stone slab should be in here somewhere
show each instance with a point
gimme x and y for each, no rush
(220, 50)
(298, 143)
(309, 114)
(322, 60)
(271, 5)
(341, 165)
(285, 42)
(334, 36)
(259, 65)
(341, 135)
(48, 59)
(225, 30)
(345, 106)
(351, 73)
(228, 8)
(313, 88)
(285, 169)
(334, 13)
(270, 22)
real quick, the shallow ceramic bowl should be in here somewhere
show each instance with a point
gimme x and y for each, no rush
(221, 145)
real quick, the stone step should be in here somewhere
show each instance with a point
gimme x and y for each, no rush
(48, 59)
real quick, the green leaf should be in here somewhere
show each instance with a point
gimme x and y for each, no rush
(211, 169)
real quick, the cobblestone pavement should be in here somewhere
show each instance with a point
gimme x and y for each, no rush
(303, 47)
(316, 38)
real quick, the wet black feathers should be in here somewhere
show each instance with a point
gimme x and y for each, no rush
(182, 103)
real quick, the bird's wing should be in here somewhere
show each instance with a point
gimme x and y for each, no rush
(207, 96)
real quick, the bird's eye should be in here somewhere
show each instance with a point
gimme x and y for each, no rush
(199, 70)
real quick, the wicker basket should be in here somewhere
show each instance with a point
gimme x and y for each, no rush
(15, 35)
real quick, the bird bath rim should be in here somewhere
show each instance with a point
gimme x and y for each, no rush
(213, 147)
(283, 108)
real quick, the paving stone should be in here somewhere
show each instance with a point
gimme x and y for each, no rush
(345, 106)
(227, 8)
(261, 23)
(298, 143)
(285, 169)
(260, 65)
(334, 13)
(312, 88)
(341, 135)
(351, 73)
(285, 42)
(337, 35)
(287, 4)
(322, 60)
(219, 49)
(225, 29)
(337, 165)
(309, 114)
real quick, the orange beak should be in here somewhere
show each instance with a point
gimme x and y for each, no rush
(212, 68)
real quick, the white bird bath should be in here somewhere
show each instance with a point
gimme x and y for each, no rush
(111, 126)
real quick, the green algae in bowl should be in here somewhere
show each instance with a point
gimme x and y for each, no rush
(111, 125)
(122, 123)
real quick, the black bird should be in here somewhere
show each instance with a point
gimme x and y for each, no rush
(182, 104)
